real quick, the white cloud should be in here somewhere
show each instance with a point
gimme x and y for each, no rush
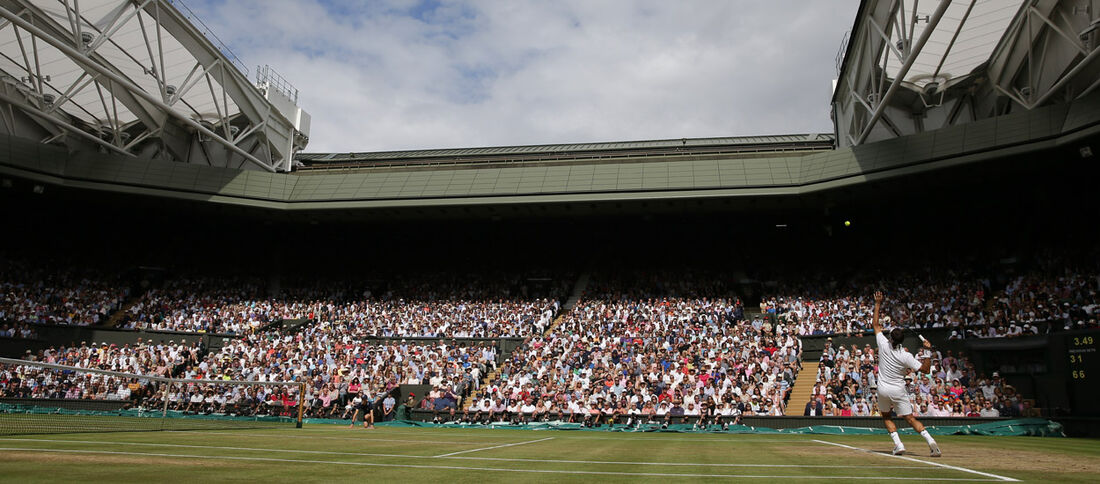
(386, 75)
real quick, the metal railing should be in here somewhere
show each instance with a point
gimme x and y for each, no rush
(265, 75)
(209, 34)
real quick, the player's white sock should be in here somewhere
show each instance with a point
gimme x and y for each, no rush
(927, 437)
(897, 440)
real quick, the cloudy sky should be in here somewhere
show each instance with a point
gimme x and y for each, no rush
(410, 74)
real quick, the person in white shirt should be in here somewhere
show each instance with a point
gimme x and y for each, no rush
(527, 410)
(988, 410)
(195, 402)
(894, 361)
(861, 408)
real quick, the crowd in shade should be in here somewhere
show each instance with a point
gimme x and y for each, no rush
(847, 382)
(225, 306)
(424, 307)
(17, 330)
(1068, 300)
(647, 351)
(46, 294)
(1029, 304)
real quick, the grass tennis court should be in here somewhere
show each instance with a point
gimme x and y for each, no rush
(475, 455)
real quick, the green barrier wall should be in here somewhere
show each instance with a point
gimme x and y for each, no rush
(1034, 427)
(1019, 427)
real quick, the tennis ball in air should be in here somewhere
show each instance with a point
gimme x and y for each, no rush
(847, 223)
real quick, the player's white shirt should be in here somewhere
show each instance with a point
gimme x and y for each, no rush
(892, 362)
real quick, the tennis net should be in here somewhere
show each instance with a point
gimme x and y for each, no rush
(38, 398)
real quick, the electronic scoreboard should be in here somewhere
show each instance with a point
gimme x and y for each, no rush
(1084, 373)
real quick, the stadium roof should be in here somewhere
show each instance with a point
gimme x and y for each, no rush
(910, 66)
(617, 149)
(123, 74)
(962, 40)
(132, 40)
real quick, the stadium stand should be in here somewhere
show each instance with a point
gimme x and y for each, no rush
(163, 360)
(433, 306)
(1035, 303)
(627, 348)
(847, 378)
(629, 352)
(43, 292)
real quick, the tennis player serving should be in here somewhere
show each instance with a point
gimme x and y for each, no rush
(894, 361)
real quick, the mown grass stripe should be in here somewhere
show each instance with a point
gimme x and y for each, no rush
(487, 469)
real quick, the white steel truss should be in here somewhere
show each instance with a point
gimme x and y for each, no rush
(912, 66)
(134, 77)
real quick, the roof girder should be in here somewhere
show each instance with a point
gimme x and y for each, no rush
(267, 139)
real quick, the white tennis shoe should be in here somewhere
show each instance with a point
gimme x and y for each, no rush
(898, 450)
(935, 448)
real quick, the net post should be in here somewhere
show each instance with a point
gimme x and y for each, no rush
(301, 403)
(164, 410)
(164, 396)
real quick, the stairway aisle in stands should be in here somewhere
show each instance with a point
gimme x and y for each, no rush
(123, 309)
(574, 298)
(804, 382)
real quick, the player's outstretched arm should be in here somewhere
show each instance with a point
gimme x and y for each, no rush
(874, 318)
(926, 362)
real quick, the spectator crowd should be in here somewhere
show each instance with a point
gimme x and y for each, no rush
(847, 381)
(142, 358)
(1030, 304)
(428, 307)
(45, 294)
(625, 354)
(634, 349)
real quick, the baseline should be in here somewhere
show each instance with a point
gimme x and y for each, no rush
(937, 464)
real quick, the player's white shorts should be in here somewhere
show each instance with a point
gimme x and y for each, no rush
(894, 399)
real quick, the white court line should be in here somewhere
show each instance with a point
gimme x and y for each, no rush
(490, 469)
(494, 447)
(963, 469)
(503, 459)
(353, 439)
(714, 440)
(725, 439)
